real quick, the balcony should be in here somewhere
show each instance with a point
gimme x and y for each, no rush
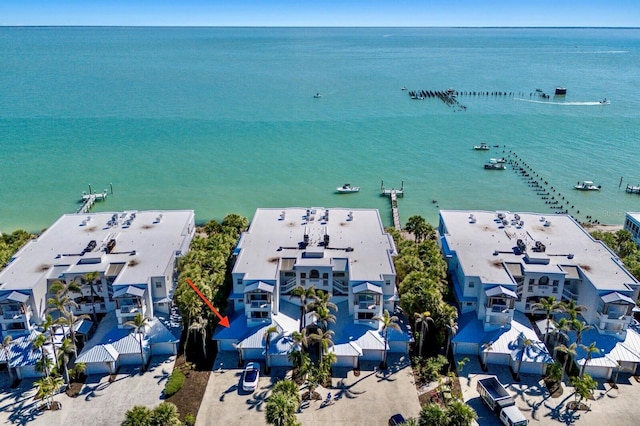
(340, 287)
(368, 306)
(569, 295)
(259, 304)
(128, 311)
(614, 322)
(288, 286)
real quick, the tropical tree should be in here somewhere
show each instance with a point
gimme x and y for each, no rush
(460, 414)
(561, 328)
(44, 364)
(305, 294)
(91, 279)
(47, 387)
(452, 330)
(525, 343)
(422, 319)
(574, 309)
(281, 409)
(550, 306)
(200, 325)
(324, 339)
(419, 227)
(301, 339)
(65, 350)
(267, 342)
(139, 323)
(48, 325)
(190, 306)
(139, 415)
(583, 387)
(432, 415)
(321, 301)
(324, 317)
(569, 351)
(590, 350)
(580, 327)
(65, 305)
(165, 414)
(388, 322)
(7, 343)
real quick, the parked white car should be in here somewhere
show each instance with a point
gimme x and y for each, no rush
(250, 377)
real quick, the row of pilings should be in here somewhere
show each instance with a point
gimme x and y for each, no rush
(448, 97)
(547, 193)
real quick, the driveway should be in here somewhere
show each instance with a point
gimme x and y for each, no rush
(100, 403)
(369, 399)
(608, 407)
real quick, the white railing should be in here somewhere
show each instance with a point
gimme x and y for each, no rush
(257, 304)
(340, 286)
(568, 294)
(288, 286)
(11, 314)
(369, 306)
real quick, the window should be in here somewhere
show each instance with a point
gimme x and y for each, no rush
(556, 283)
(544, 280)
(239, 281)
(325, 276)
(472, 284)
(158, 284)
(365, 315)
(303, 275)
(532, 281)
(388, 282)
(468, 303)
(314, 274)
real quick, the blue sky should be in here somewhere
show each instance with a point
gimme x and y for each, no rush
(476, 13)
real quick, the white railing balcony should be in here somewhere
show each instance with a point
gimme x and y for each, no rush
(569, 295)
(259, 304)
(288, 286)
(10, 315)
(341, 287)
(614, 322)
(499, 309)
(367, 306)
(499, 317)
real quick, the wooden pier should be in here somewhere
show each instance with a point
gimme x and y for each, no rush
(393, 195)
(89, 199)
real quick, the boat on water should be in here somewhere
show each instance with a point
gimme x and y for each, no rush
(605, 101)
(347, 189)
(481, 147)
(404, 88)
(317, 95)
(587, 185)
(494, 166)
(498, 160)
(561, 91)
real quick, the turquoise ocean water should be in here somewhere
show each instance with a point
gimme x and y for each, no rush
(223, 120)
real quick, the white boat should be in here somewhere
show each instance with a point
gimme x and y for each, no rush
(481, 147)
(587, 185)
(317, 95)
(347, 189)
(497, 160)
(494, 166)
(605, 101)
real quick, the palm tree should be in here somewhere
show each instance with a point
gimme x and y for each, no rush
(200, 325)
(301, 339)
(190, 306)
(561, 327)
(324, 339)
(90, 278)
(569, 351)
(525, 343)
(422, 318)
(47, 325)
(7, 342)
(281, 409)
(452, 330)
(573, 309)
(44, 364)
(324, 317)
(138, 324)
(590, 350)
(304, 294)
(267, 341)
(321, 301)
(550, 306)
(47, 387)
(64, 353)
(580, 327)
(388, 322)
(64, 304)
(460, 414)
(433, 415)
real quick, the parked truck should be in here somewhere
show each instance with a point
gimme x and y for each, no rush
(500, 401)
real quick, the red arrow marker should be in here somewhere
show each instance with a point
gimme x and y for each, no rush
(224, 321)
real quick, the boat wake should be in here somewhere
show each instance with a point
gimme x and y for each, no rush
(564, 103)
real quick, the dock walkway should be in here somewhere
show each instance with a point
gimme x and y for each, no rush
(88, 200)
(393, 195)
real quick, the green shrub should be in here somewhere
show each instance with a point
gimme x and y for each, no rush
(189, 420)
(175, 382)
(430, 369)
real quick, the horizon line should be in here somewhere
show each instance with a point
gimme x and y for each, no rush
(322, 26)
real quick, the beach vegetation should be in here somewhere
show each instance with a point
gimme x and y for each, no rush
(165, 414)
(622, 244)
(11, 243)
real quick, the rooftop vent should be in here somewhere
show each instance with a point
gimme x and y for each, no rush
(111, 245)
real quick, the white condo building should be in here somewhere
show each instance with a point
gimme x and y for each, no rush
(501, 263)
(134, 254)
(344, 252)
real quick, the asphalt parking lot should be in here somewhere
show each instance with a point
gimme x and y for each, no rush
(368, 399)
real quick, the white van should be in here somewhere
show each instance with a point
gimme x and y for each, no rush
(512, 416)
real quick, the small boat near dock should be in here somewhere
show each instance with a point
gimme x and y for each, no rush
(347, 189)
(481, 147)
(587, 185)
(491, 165)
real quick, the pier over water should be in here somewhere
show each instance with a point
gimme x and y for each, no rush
(393, 195)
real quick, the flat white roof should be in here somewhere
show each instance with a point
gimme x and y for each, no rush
(483, 244)
(145, 246)
(356, 235)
